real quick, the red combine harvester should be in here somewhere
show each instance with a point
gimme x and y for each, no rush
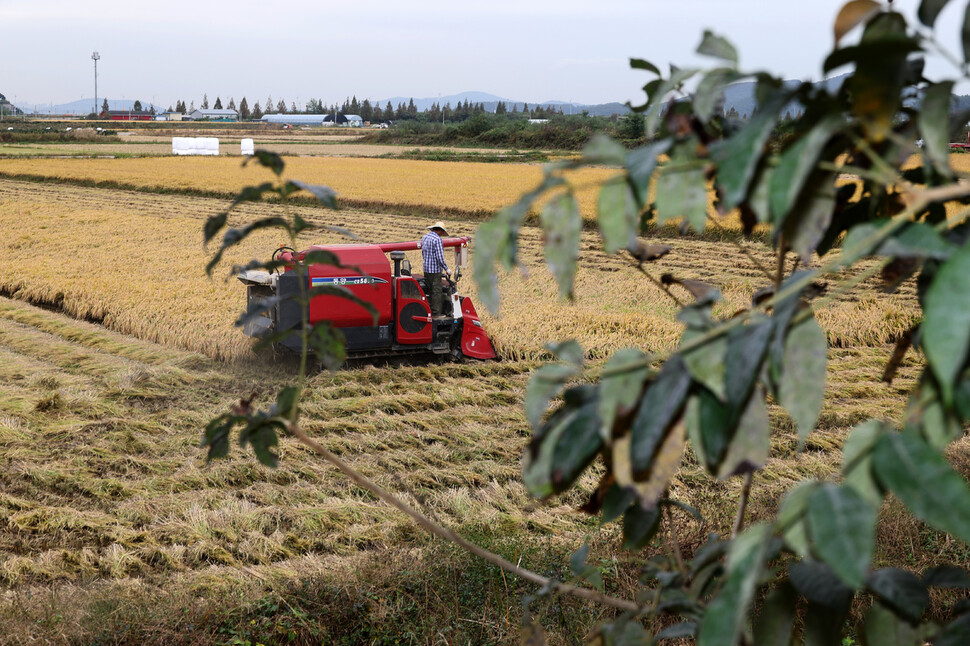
(404, 322)
(957, 146)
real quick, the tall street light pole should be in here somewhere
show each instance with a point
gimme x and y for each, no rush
(95, 57)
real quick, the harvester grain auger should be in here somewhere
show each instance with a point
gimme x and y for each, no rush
(404, 322)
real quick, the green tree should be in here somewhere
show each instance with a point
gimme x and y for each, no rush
(799, 575)
(244, 113)
(232, 104)
(257, 111)
(104, 106)
(205, 101)
(137, 106)
(281, 107)
(218, 104)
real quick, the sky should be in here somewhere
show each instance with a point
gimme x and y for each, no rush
(568, 50)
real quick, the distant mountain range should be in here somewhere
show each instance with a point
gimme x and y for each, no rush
(740, 96)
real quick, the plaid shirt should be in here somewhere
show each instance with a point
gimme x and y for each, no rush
(433, 253)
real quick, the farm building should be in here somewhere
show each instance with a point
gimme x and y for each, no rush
(213, 115)
(351, 120)
(169, 116)
(127, 115)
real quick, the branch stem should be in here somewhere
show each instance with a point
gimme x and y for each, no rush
(443, 532)
(742, 504)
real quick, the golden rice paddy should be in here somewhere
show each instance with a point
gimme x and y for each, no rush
(111, 521)
(462, 187)
(135, 263)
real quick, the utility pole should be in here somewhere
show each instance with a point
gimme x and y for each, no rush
(95, 57)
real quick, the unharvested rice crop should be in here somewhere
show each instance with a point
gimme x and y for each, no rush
(135, 262)
(460, 187)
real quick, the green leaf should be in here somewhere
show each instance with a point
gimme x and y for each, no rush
(270, 160)
(618, 215)
(916, 240)
(217, 436)
(929, 10)
(602, 149)
(566, 444)
(801, 389)
(489, 239)
(324, 194)
(682, 192)
(805, 225)
(562, 226)
(928, 486)
(842, 526)
(232, 237)
(659, 410)
(857, 460)
(955, 633)
(726, 614)
(928, 413)
(746, 349)
(881, 71)
(776, 621)
(213, 225)
(615, 503)
(797, 163)
(706, 363)
(546, 382)
(883, 628)
(709, 425)
(659, 94)
(640, 64)
(577, 562)
(946, 576)
(816, 582)
(327, 343)
(710, 91)
(791, 517)
(945, 331)
(900, 590)
(738, 157)
(577, 447)
(934, 124)
(568, 351)
(639, 526)
(717, 47)
(620, 392)
(641, 163)
(911, 240)
(748, 450)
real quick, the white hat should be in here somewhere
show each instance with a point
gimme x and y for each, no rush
(438, 225)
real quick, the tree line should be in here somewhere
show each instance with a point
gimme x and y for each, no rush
(368, 111)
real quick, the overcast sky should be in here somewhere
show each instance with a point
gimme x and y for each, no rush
(569, 50)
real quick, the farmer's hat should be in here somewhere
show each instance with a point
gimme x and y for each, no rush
(438, 225)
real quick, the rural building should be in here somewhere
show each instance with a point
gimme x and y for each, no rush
(352, 120)
(127, 115)
(169, 116)
(213, 115)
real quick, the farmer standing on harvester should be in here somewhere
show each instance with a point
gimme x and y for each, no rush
(433, 254)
